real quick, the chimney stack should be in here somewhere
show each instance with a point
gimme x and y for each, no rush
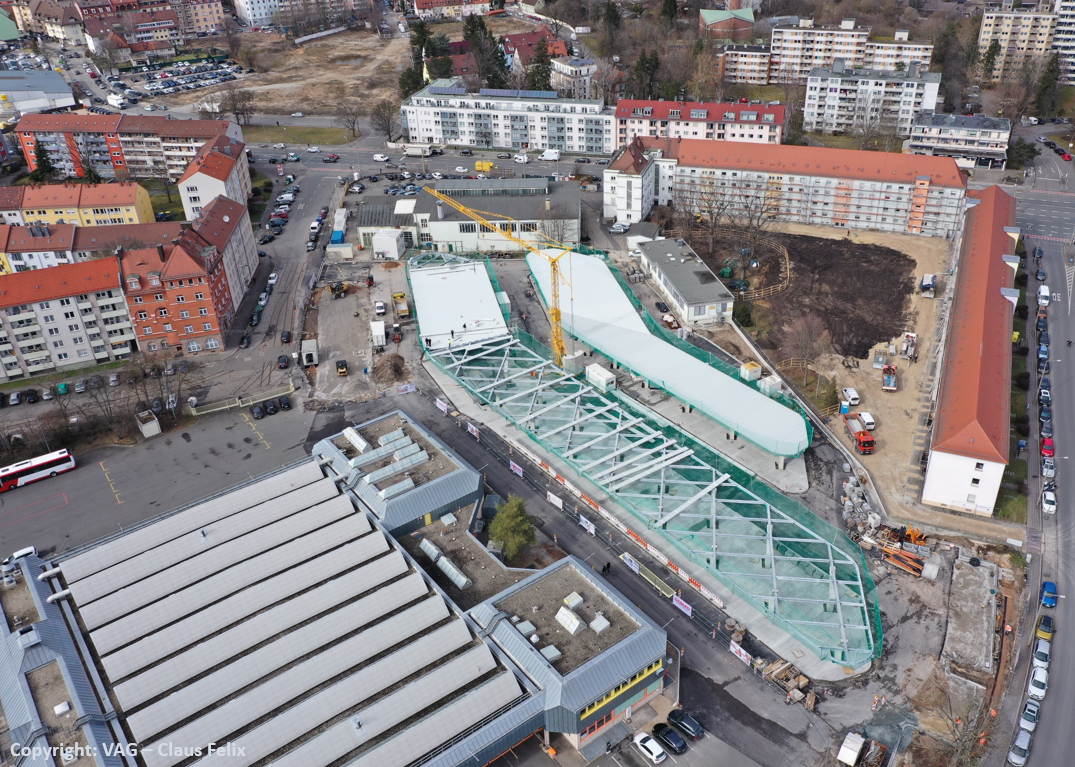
(160, 252)
(440, 210)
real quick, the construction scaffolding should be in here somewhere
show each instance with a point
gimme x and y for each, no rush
(803, 574)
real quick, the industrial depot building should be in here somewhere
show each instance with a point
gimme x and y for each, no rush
(279, 622)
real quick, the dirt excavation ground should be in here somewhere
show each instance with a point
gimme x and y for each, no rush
(314, 77)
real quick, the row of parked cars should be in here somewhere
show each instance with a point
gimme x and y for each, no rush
(1060, 151)
(269, 407)
(681, 727)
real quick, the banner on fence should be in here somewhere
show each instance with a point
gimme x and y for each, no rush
(588, 525)
(442, 406)
(472, 429)
(516, 468)
(631, 562)
(684, 606)
(554, 500)
(406, 388)
(740, 653)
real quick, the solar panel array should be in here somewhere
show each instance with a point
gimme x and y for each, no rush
(274, 617)
(519, 94)
(439, 90)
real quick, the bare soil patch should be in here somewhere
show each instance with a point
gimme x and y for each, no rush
(860, 291)
(391, 368)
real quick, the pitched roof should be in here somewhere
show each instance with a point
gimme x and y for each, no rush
(216, 158)
(31, 239)
(464, 64)
(630, 159)
(709, 16)
(807, 160)
(529, 40)
(713, 111)
(458, 46)
(189, 256)
(556, 49)
(11, 197)
(126, 236)
(51, 195)
(974, 404)
(151, 45)
(161, 126)
(120, 193)
(218, 220)
(69, 123)
(59, 282)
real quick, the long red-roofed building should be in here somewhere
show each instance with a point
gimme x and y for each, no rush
(118, 146)
(844, 188)
(969, 447)
(649, 118)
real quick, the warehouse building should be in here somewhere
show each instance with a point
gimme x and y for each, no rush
(694, 293)
(281, 618)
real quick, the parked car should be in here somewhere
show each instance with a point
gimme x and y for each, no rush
(274, 278)
(15, 398)
(1039, 275)
(670, 738)
(1019, 751)
(80, 386)
(266, 239)
(1042, 653)
(685, 723)
(1046, 428)
(1048, 449)
(257, 411)
(1047, 595)
(285, 402)
(113, 379)
(662, 307)
(1028, 720)
(96, 382)
(650, 748)
(30, 395)
(1039, 684)
(285, 336)
(157, 406)
(270, 407)
(379, 308)
(281, 362)
(1044, 629)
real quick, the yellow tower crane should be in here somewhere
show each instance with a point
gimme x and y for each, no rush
(558, 349)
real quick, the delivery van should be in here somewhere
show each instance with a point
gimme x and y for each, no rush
(1044, 295)
(551, 155)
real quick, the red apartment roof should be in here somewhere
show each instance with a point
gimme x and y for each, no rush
(714, 110)
(151, 45)
(121, 193)
(126, 236)
(464, 64)
(162, 126)
(69, 123)
(974, 405)
(216, 158)
(79, 195)
(58, 282)
(51, 195)
(556, 49)
(805, 160)
(511, 42)
(46, 237)
(218, 220)
(11, 197)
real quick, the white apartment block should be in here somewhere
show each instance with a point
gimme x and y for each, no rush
(972, 140)
(746, 64)
(571, 77)
(1023, 35)
(843, 188)
(219, 170)
(1064, 39)
(45, 327)
(761, 124)
(444, 113)
(796, 50)
(841, 100)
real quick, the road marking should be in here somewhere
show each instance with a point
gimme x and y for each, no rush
(61, 496)
(1069, 272)
(109, 480)
(254, 429)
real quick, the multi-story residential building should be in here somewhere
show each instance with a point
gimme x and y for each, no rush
(444, 113)
(219, 169)
(572, 77)
(972, 140)
(175, 294)
(225, 224)
(68, 316)
(11, 205)
(25, 248)
(1064, 39)
(91, 242)
(734, 25)
(519, 48)
(444, 9)
(746, 64)
(56, 21)
(969, 444)
(813, 185)
(1022, 34)
(35, 91)
(798, 49)
(203, 17)
(842, 100)
(86, 204)
(119, 146)
(688, 119)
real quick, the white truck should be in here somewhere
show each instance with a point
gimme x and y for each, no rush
(550, 155)
(116, 100)
(377, 331)
(418, 150)
(309, 353)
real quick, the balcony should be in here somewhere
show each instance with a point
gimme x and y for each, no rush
(35, 356)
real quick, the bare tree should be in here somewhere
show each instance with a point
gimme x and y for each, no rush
(805, 338)
(712, 202)
(159, 171)
(384, 117)
(232, 36)
(107, 55)
(603, 82)
(751, 213)
(349, 116)
(703, 84)
(239, 102)
(558, 223)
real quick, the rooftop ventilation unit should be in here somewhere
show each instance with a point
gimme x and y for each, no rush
(396, 489)
(379, 453)
(410, 449)
(355, 439)
(599, 624)
(526, 627)
(573, 600)
(430, 549)
(455, 575)
(569, 621)
(550, 653)
(391, 436)
(399, 466)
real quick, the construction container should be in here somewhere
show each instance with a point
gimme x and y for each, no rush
(750, 371)
(389, 244)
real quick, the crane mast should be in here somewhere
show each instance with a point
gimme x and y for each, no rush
(558, 349)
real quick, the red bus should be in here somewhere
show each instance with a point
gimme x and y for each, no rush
(42, 467)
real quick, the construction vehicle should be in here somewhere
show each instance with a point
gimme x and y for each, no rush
(339, 289)
(399, 302)
(909, 345)
(484, 166)
(857, 751)
(309, 353)
(397, 333)
(341, 367)
(888, 378)
(928, 286)
(864, 442)
(377, 332)
(483, 218)
(369, 280)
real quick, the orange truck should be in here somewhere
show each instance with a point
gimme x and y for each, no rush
(864, 442)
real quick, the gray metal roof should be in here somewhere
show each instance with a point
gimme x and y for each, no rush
(691, 278)
(537, 185)
(913, 73)
(46, 81)
(522, 207)
(451, 491)
(594, 677)
(981, 122)
(370, 214)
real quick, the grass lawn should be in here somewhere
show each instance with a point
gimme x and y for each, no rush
(69, 375)
(1067, 102)
(853, 142)
(268, 134)
(1011, 506)
(766, 93)
(159, 198)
